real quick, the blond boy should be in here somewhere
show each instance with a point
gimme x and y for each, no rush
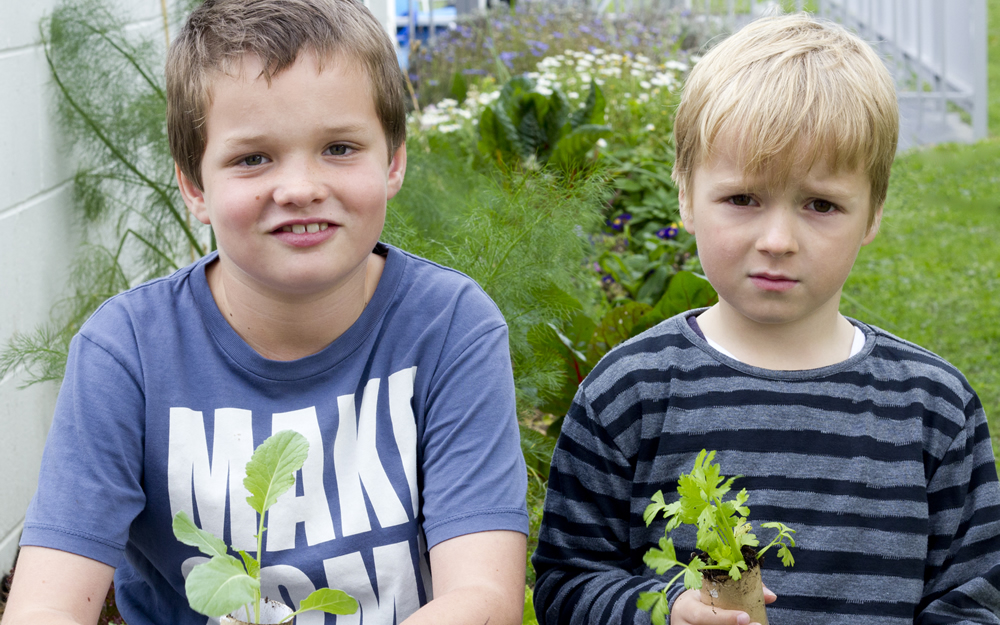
(287, 125)
(875, 450)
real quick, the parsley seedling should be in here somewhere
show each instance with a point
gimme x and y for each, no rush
(723, 531)
(224, 584)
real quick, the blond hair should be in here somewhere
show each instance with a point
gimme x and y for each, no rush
(788, 88)
(220, 33)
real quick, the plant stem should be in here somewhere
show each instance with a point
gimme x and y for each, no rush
(728, 536)
(260, 546)
(95, 128)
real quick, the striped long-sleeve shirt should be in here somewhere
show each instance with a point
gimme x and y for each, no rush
(882, 463)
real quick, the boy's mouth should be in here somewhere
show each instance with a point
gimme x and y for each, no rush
(772, 282)
(303, 228)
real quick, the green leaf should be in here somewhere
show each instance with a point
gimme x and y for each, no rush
(537, 449)
(220, 586)
(459, 87)
(555, 121)
(686, 290)
(692, 573)
(663, 559)
(656, 604)
(330, 601)
(529, 617)
(573, 149)
(786, 556)
(190, 534)
(653, 509)
(271, 470)
(592, 111)
(251, 564)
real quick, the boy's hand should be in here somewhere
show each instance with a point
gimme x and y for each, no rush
(689, 610)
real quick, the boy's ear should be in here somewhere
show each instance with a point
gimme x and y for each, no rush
(194, 198)
(687, 216)
(873, 229)
(397, 171)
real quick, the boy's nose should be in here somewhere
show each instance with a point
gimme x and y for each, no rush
(778, 236)
(300, 186)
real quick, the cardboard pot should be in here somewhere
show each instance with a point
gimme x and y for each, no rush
(271, 612)
(746, 593)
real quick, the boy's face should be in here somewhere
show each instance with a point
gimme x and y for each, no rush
(778, 255)
(296, 176)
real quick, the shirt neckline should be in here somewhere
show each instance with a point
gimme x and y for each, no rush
(724, 357)
(247, 358)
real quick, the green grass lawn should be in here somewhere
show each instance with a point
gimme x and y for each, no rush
(933, 274)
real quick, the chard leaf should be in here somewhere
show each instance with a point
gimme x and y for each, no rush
(253, 567)
(220, 586)
(271, 470)
(330, 601)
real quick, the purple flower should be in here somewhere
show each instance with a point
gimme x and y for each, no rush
(597, 267)
(541, 45)
(607, 279)
(619, 222)
(507, 57)
(557, 35)
(583, 28)
(667, 233)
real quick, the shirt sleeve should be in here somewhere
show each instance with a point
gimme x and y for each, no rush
(584, 562)
(474, 476)
(962, 578)
(90, 483)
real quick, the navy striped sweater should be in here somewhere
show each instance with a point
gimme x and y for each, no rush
(882, 463)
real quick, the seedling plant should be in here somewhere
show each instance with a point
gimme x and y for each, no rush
(723, 532)
(224, 584)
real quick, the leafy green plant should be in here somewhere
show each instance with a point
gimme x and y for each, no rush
(524, 125)
(723, 532)
(111, 103)
(224, 584)
(581, 342)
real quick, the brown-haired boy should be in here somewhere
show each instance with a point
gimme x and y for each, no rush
(875, 450)
(286, 122)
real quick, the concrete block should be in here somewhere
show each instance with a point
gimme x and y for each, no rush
(37, 244)
(25, 417)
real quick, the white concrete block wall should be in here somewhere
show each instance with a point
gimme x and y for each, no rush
(37, 241)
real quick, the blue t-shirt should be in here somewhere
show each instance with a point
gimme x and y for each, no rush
(409, 414)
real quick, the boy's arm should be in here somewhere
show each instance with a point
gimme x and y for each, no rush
(962, 578)
(478, 578)
(584, 560)
(54, 587)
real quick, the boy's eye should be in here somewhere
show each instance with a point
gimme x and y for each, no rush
(253, 160)
(741, 200)
(823, 206)
(338, 150)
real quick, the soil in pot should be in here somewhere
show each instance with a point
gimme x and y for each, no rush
(271, 613)
(746, 593)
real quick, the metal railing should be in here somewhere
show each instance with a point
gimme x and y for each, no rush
(935, 49)
(937, 53)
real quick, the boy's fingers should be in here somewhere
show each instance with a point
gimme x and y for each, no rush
(689, 610)
(769, 597)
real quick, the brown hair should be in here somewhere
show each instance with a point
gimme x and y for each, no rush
(789, 87)
(220, 33)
